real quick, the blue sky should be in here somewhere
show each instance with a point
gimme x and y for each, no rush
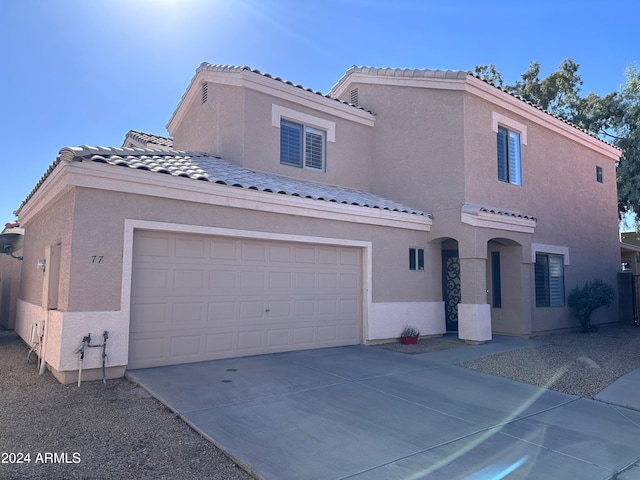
(84, 72)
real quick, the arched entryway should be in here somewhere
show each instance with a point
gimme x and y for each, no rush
(506, 285)
(451, 288)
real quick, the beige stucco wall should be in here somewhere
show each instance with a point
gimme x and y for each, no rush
(348, 158)
(216, 126)
(50, 226)
(92, 267)
(559, 188)
(435, 149)
(418, 154)
(99, 232)
(236, 123)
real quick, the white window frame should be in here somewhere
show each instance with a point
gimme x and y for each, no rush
(307, 155)
(514, 169)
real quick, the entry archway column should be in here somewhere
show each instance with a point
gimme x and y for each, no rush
(474, 313)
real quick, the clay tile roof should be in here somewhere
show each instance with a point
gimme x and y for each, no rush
(476, 209)
(403, 72)
(211, 168)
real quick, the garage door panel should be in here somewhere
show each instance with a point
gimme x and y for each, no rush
(191, 247)
(221, 313)
(149, 279)
(182, 346)
(278, 337)
(252, 279)
(152, 244)
(198, 298)
(327, 333)
(304, 280)
(279, 308)
(189, 279)
(255, 252)
(250, 341)
(152, 314)
(280, 280)
(220, 249)
(222, 279)
(280, 253)
(147, 351)
(220, 343)
(250, 310)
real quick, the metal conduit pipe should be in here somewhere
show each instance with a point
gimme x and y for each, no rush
(86, 342)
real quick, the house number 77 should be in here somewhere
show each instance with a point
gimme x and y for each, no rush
(96, 259)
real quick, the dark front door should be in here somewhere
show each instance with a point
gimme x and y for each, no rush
(451, 287)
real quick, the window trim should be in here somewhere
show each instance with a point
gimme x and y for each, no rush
(500, 120)
(279, 112)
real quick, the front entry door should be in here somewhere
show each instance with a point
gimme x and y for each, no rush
(451, 287)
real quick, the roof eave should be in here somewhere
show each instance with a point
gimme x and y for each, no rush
(253, 79)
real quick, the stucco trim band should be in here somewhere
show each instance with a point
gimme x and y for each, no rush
(553, 249)
(278, 112)
(482, 217)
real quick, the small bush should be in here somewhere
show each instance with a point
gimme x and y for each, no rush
(589, 298)
(410, 331)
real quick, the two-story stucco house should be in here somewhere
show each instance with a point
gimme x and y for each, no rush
(276, 218)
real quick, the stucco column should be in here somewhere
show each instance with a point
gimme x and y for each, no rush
(474, 313)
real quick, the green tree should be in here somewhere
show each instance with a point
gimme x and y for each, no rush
(558, 93)
(626, 135)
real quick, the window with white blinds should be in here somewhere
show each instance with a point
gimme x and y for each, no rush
(509, 156)
(549, 280)
(302, 146)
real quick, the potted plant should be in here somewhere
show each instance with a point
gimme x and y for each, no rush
(409, 335)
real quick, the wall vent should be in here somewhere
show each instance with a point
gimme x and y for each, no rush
(353, 98)
(205, 90)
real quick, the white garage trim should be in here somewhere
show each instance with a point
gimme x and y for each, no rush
(132, 225)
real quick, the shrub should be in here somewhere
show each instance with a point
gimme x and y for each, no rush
(410, 331)
(589, 298)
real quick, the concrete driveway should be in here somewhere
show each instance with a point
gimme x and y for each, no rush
(366, 413)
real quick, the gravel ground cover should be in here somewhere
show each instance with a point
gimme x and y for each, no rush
(98, 431)
(117, 431)
(563, 366)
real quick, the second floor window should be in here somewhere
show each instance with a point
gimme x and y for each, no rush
(509, 156)
(302, 146)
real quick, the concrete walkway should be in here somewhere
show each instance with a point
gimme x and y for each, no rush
(367, 413)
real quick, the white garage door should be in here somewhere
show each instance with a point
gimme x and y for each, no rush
(197, 297)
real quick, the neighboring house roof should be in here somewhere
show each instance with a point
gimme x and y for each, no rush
(138, 139)
(211, 168)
